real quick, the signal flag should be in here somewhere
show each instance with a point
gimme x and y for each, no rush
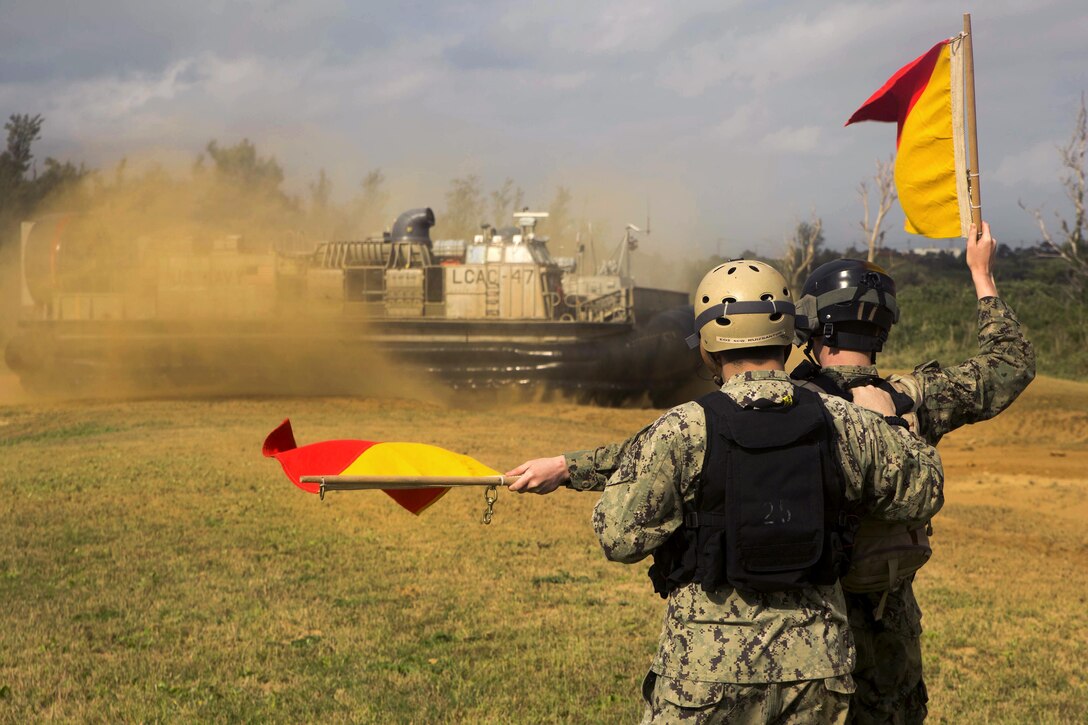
(370, 458)
(925, 99)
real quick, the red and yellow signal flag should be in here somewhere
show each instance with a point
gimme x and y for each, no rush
(925, 99)
(370, 458)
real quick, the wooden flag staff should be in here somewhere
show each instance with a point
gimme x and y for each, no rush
(371, 483)
(973, 181)
(391, 483)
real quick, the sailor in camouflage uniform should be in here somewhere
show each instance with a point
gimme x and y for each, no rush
(934, 400)
(938, 400)
(729, 654)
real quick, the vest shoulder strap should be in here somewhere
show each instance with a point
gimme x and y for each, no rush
(904, 403)
(823, 383)
(811, 378)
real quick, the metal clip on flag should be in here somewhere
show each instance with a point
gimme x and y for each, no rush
(402, 483)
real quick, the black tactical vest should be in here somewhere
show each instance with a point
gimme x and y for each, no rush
(812, 378)
(769, 511)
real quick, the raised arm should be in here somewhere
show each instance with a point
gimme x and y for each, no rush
(980, 260)
(981, 387)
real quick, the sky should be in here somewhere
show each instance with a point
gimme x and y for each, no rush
(724, 118)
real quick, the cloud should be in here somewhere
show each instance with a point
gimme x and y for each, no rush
(114, 98)
(1037, 165)
(805, 42)
(801, 140)
(219, 87)
(566, 81)
(742, 123)
(717, 93)
(586, 30)
(749, 125)
(476, 54)
(696, 69)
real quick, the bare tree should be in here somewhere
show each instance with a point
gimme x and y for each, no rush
(465, 209)
(562, 226)
(801, 250)
(884, 184)
(1071, 247)
(365, 214)
(505, 201)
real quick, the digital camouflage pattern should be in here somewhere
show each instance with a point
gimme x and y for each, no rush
(727, 636)
(979, 388)
(590, 469)
(811, 702)
(973, 391)
(976, 390)
(891, 688)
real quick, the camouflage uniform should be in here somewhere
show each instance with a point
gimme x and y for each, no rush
(889, 670)
(727, 653)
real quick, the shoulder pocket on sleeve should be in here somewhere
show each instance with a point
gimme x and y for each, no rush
(931, 365)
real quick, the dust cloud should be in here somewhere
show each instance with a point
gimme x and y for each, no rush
(669, 253)
(167, 285)
(198, 281)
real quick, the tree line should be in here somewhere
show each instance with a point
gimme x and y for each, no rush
(23, 188)
(234, 189)
(237, 189)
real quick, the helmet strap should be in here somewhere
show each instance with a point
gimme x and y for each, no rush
(854, 341)
(809, 355)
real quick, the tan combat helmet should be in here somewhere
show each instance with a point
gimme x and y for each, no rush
(742, 303)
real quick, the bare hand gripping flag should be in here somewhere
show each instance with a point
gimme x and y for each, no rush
(925, 99)
(368, 458)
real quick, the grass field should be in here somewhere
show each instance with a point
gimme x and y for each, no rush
(154, 567)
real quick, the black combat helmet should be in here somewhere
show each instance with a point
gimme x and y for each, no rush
(849, 304)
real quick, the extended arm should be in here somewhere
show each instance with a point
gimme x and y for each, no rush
(641, 505)
(540, 475)
(587, 470)
(984, 385)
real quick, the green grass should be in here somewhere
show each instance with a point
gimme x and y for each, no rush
(153, 567)
(938, 321)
